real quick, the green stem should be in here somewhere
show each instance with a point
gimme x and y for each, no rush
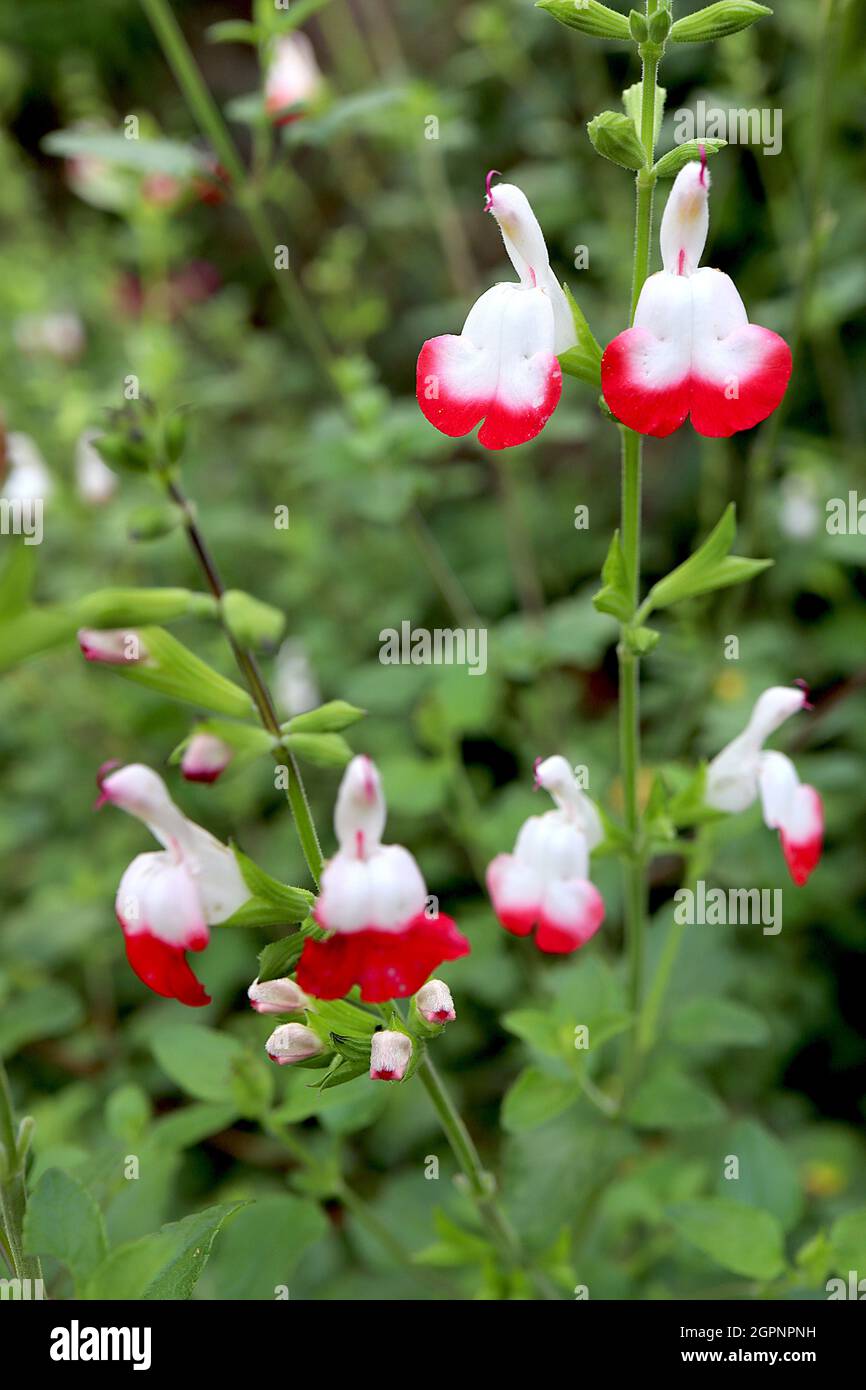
(479, 1182)
(210, 121)
(630, 533)
(700, 857)
(295, 792)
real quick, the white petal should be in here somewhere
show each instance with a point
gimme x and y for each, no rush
(159, 896)
(778, 782)
(359, 817)
(523, 237)
(686, 220)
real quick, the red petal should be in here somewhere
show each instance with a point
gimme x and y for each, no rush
(164, 969)
(803, 853)
(716, 416)
(387, 965)
(656, 412)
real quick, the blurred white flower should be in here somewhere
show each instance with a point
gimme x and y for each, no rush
(95, 481)
(28, 478)
(60, 335)
(295, 686)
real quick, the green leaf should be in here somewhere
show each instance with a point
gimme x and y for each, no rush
(127, 1112)
(141, 156)
(279, 957)
(293, 903)
(173, 670)
(327, 719)
(322, 750)
(669, 1099)
(615, 595)
(768, 1177)
(261, 1247)
(736, 1236)
(590, 18)
(44, 1012)
(535, 1098)
(232, 31)
(542, 1031)
(341, 1016)
(717, 21)
(584, 360)
(188, 1126)
(63, 1220)
(16, 582)
(714, 1022)
(164, 1266)
(613, 135)
(454, 1248)
(848, 1241)
(33, 631)
(201, 1061)
(710, 567)
(677, 158)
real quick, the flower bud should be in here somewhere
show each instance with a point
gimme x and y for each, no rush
(251, 622)
(293, 1042)
(614, 136)
(277, 996)
(114, 647)
(434, 1002)
(390, 1053)
(716, 21)
(205, 757)
(589, 17)
(638, 25)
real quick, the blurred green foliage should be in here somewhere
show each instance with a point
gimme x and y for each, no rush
(762, 1051)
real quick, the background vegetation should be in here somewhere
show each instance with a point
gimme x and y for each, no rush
(390, 521)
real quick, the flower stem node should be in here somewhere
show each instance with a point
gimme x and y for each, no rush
(390, 1055)
(293, 1042)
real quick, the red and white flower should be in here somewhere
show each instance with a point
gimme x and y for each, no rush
(692, 350)
(434, 1002)
(168, 899)
(293, 77)
(277, 996)
(744, 771)
(373, 901)
(205, 758)
(390, 1055)
(293, 1042)
(502, 370)
(545, 883)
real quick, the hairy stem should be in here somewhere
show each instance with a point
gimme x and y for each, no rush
(13, 1195)
(630, 533)
(249, 668)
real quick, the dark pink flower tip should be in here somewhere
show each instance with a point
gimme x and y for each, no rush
(103, 772)
(804, 686)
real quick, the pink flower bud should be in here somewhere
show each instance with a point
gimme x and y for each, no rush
(114, 647)
(205, 757)
(434, 1002)
(277, 997)
(293, 1042)
(389, 1056)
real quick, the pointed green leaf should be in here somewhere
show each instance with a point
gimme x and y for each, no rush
(736, 1236)
(590, 18)
(64, 1221)
(717, 21)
